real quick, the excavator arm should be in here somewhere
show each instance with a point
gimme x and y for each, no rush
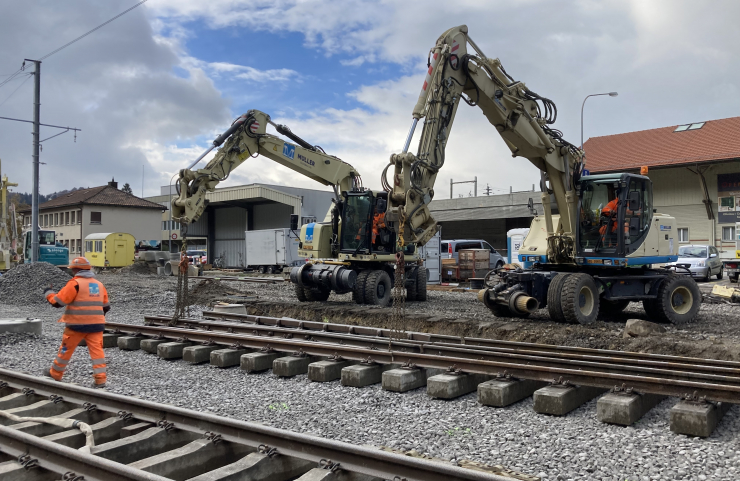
(520, 116)
(247, 137)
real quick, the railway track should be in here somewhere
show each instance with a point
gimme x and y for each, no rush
(452, 366)
(136, 439)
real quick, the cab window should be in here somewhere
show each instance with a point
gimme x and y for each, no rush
(638, 213)
(486, 245)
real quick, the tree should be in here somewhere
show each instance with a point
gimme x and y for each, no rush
(127, 189)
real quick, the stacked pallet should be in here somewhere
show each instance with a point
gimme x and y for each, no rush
(449, 270)
(473, 263)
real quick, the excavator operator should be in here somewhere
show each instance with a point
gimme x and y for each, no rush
(379, 218)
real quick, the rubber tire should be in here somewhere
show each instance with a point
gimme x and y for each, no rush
(300, 294)
(261, 269)
(374, 279)
(316, 294)
(720, 275)
(662, 308)
(270, 270)
(554, 301)
(421, 284)
(411, 284)
(570, 298)
(499, 265)
(358, 293)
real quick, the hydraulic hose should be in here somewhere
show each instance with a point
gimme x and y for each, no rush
(62, 423)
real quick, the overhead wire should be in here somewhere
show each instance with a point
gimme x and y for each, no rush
(28, 76)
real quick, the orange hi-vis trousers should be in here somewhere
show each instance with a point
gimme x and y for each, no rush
(70, 340)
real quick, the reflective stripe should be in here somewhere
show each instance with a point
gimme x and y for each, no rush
(87, 303)
(57, 368)
(59, 301)
(98, 370)
(62, 362)
(75, 312)
(98, 361)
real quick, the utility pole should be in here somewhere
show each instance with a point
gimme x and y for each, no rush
(36, 143)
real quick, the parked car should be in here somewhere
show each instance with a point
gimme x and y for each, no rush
(197, 257)
(732, 269)
(451, 249)
(703, 260)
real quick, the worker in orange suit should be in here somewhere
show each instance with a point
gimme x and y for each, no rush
(610, 212)
(85, 302)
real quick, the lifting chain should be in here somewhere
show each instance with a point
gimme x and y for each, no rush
(398, 316)
(182, 304)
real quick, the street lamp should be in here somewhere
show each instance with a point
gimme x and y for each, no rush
(610, 94)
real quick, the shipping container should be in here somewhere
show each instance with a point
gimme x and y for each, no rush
(269, 250)
(432, 255)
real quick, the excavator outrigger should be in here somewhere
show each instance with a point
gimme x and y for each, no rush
(595, 253)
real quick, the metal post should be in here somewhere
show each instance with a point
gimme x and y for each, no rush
(35, 195)
(475, 186)
(610, 94)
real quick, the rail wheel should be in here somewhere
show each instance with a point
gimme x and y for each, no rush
(378, 288)
(358, 292)
(421, 284)
(498, 310)
(300, 293)
(678, 301)
(579, 299)
(316, 294)
(554, 300)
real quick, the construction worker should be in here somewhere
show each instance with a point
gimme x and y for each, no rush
(85, 302)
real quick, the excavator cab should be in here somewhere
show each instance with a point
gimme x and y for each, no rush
(363, 224)
(615, 211)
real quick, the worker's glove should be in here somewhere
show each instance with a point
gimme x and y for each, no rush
(47, 291)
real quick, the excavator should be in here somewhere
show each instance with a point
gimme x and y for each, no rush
(353, 250)
(596, 253)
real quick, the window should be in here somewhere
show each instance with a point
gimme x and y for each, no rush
(66, 218)
(466, 245)
(73, 245)
(88, 246)
(96, 218)
(726, 204)
(79, 217)
(486, 245)
(683, 234)
(728, 234)
(164, 225)
(56, 219)
(696, 126)
(681, 128)
(99, 246)
(73, 217)
(713, 251)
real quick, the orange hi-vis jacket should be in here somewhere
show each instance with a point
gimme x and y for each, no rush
(83, 300)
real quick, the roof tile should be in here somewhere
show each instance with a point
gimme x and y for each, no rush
(103, 195)
(716, 140)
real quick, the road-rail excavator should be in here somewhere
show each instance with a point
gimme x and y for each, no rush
(595, 253)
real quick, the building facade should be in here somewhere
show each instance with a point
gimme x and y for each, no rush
(96, 210)
(695, 170)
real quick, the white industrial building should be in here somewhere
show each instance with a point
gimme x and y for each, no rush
(233, 210)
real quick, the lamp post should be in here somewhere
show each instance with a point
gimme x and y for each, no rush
(610, 94)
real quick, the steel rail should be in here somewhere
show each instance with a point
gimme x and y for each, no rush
(602, 363)
(353, 458)
(522, 370)
(61, 459)
(623, 356)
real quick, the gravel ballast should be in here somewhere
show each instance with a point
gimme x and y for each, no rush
(25, 283)
(575, 446)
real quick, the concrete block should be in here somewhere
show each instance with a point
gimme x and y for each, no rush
(258, 467)
(198, 354)
(29, 326)
(149, 442)
(361, 375)
(292, 365)
(39, 409)
(696, 419)
(227, 357)
(171, 350)
(130, 343)
(504, 392)
(132, 429)
(320, 474)
(258, 361)
(150, 345)
(559, 400)
(18, 399)
(110, 339)
(403, 379)
(230, 308)
(625, 409)
(325, 371)
(450, 386)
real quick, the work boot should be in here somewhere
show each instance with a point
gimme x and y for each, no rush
(46, 373)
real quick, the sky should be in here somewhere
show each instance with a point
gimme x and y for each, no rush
(153, 88)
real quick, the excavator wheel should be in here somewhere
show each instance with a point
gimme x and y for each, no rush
(554, 301)
(358, 293)
(378, 288)
(300, 294)
(678, 301)
(316, 294)
(579, 299)
(421, 284)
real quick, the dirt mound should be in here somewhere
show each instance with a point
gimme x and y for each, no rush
(25, 283)
(137, 268)
(208, 290)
